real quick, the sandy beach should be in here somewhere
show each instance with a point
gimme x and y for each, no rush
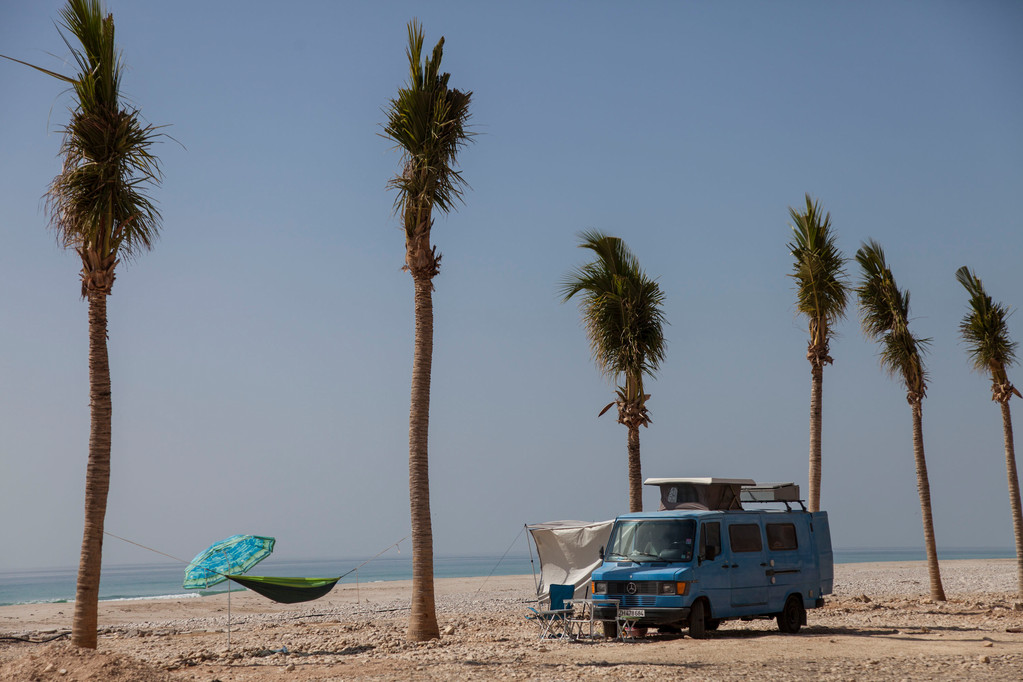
(878, 625)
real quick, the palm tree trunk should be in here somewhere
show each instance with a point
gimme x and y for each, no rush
(1014, 501)
(816, 388)
(423, 618)
(635, 471)
(97, 477)
(924, 488)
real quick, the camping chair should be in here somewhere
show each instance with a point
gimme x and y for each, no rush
(553, 621)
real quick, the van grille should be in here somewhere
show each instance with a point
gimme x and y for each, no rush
(642, 587)
(633, 601)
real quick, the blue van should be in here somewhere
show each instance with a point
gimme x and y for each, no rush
(704, 558)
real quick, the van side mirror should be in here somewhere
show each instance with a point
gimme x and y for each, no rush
(601, 553)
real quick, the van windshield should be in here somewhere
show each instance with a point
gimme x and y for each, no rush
(652, 540)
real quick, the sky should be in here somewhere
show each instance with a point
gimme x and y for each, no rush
(261, 353)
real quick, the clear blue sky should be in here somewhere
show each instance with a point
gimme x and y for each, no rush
(261, 354)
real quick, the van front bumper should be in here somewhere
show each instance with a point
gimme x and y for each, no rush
(652, 616)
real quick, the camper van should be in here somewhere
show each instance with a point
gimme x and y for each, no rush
(715, 551)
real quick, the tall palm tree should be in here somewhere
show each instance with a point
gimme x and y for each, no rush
(428, 122)
(884, 315)
(821, 292)
(986, 332)
(622, 310)
(99, 207)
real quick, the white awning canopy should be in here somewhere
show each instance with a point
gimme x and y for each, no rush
(569, 552)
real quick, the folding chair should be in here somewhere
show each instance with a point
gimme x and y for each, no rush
(553, 621)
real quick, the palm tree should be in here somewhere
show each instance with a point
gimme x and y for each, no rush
(622, 311)
(821, 290)
(98, 206)
(428, 123)
(986, 332)
(884, 311)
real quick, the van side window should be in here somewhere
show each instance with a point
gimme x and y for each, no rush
(781, 536)
(745, 537)
(710, 538)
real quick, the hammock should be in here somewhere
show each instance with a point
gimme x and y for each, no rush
(281, 590)
(287, 590)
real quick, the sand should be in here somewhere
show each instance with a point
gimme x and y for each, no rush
(878, 625)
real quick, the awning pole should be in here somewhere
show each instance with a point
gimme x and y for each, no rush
(532, 566)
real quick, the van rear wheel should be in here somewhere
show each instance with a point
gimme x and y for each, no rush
(698, 620)
(792, 616)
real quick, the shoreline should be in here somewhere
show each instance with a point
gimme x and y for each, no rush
(147, 581)
(895, 565)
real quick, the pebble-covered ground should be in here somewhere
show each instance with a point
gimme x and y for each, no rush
(878, 625)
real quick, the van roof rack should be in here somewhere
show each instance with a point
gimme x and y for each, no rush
(772, 492)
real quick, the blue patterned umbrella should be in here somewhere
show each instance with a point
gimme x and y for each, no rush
(232, 556)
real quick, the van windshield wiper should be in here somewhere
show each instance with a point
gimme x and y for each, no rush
(645, 554)
(634, 556)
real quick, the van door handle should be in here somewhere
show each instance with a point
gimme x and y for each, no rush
(765, 564)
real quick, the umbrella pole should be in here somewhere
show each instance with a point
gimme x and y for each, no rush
(229, 613)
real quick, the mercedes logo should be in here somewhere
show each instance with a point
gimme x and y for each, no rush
(631, 588)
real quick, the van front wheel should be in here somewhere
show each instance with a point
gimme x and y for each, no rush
(792, 616)
(698, 619)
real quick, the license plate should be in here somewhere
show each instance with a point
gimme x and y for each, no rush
(632, 613)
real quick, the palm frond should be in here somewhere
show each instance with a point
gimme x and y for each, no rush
(819, 270)
(99, 202)
(429, 124)
(622, 310)
(902, 356)
(880, 304)
(56, 75)
(985, 329)
(884, 317)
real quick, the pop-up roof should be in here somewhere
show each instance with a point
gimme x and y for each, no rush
(720, 493)
(700, 493)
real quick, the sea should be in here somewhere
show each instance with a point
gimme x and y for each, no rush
(163, 580)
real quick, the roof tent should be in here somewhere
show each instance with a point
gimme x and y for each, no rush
(700, 493)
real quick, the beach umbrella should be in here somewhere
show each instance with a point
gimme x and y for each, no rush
(234, 555)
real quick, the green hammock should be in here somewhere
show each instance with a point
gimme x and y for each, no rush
(287, 590)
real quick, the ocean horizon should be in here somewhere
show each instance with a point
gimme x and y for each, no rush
(163, 580)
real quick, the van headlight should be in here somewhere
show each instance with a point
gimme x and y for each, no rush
(679, 588)
(599, 587)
